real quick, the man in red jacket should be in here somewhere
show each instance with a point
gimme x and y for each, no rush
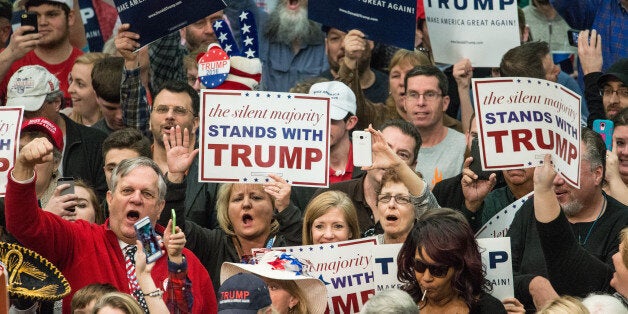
(88, 253)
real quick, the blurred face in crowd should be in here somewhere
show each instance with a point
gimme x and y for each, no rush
(53, 24)
(551, 69)
(396, 211)
(289, 20)
(573, 200)
(620, 138)
(135, 196)
(169, 110)
(85, 208)
(620, 277)
(202, 31)
(113, 157)
(614, 97)
(330, 227)
(425, 103)
(402, 144)
(112, 112)
(281, 298)
(434, 277)
(81, 90)
(250, 211)
(396, 85)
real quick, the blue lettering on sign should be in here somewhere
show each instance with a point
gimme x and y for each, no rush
(496, 257)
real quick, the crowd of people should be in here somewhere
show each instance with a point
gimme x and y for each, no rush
(111, 137)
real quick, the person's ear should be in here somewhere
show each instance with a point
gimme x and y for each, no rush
(351, 122)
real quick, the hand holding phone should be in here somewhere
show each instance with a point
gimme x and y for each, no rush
(362, 149)
(572, 36)
(146, 234)
(605, 129)
(29, 19)
(68, 190)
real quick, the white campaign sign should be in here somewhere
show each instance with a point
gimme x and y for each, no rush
(499, 224)
(10, 125)
(497, 260)
(246, 135)
(479, 30)
(522, 119)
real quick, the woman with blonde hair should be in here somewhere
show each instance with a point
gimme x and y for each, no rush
(119, 301)
(84, 108)
(564, 305)
(330, 217)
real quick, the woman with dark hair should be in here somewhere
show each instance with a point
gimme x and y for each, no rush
(441, 267)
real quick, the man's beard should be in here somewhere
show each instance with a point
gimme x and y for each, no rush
(572, 208)
(285, 26)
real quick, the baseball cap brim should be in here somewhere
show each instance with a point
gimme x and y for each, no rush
(336, 113)
(30, 103)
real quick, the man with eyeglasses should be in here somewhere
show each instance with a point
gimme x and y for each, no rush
(178, 104)
(614, 88)
(442, 152)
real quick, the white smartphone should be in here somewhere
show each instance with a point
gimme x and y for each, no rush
(362, 150)
(146, 234)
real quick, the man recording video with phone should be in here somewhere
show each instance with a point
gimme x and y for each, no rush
(88, 253)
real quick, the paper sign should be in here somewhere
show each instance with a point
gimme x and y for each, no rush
(10, 125)
(497, 260)
(499, 224)
(391, 22)
(346, 268)
(155, 19)
(385, 267)
(246, 135)
(522, 119)
(479, 30)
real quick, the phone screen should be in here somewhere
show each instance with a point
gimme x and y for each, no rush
(146, 234)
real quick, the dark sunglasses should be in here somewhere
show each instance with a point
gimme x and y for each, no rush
(439, 271)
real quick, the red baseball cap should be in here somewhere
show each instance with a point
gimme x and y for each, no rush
(46, 126)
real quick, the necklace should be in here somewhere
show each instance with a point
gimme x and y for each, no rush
(593, 225)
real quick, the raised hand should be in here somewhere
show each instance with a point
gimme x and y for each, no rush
(590, 51)
(383, 156)
(178, 152)
(280, 189)
(463, 72)
(174, 243)
(126, 43)
(473, 189)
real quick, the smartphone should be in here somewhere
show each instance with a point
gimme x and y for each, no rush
(30, 19)
(68, 190)
(605, 129)
(146, 234)
(572, 35)
(476, 164)
(174, 221)
(362, 151)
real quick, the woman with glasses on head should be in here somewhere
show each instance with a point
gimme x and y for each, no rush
(441, 267)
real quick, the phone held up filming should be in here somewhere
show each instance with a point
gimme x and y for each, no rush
(362, 150)
(146, 234)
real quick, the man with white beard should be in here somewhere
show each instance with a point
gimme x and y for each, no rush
(292, 47)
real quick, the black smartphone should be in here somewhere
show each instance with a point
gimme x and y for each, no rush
(476, 164)
(146, 234)
(68, 190)
(29, 19)
(572, 35)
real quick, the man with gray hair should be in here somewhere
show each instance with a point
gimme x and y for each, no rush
(88, 253)
(37, 90)
(563, 238)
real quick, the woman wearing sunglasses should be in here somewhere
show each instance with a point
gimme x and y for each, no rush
(441, 267)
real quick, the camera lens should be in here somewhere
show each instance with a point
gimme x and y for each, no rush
(361, 137)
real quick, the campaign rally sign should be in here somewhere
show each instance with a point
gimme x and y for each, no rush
(346, 268)
(479, 30)
(391, 22)
(522, 119)
(246, 135)
(499, 224)
(10, 125)
(497, 260)
(155, 19)
(385, 266)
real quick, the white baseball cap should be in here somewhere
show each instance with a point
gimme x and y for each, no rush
(69, 3)
(342, 98)
(29, 86)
